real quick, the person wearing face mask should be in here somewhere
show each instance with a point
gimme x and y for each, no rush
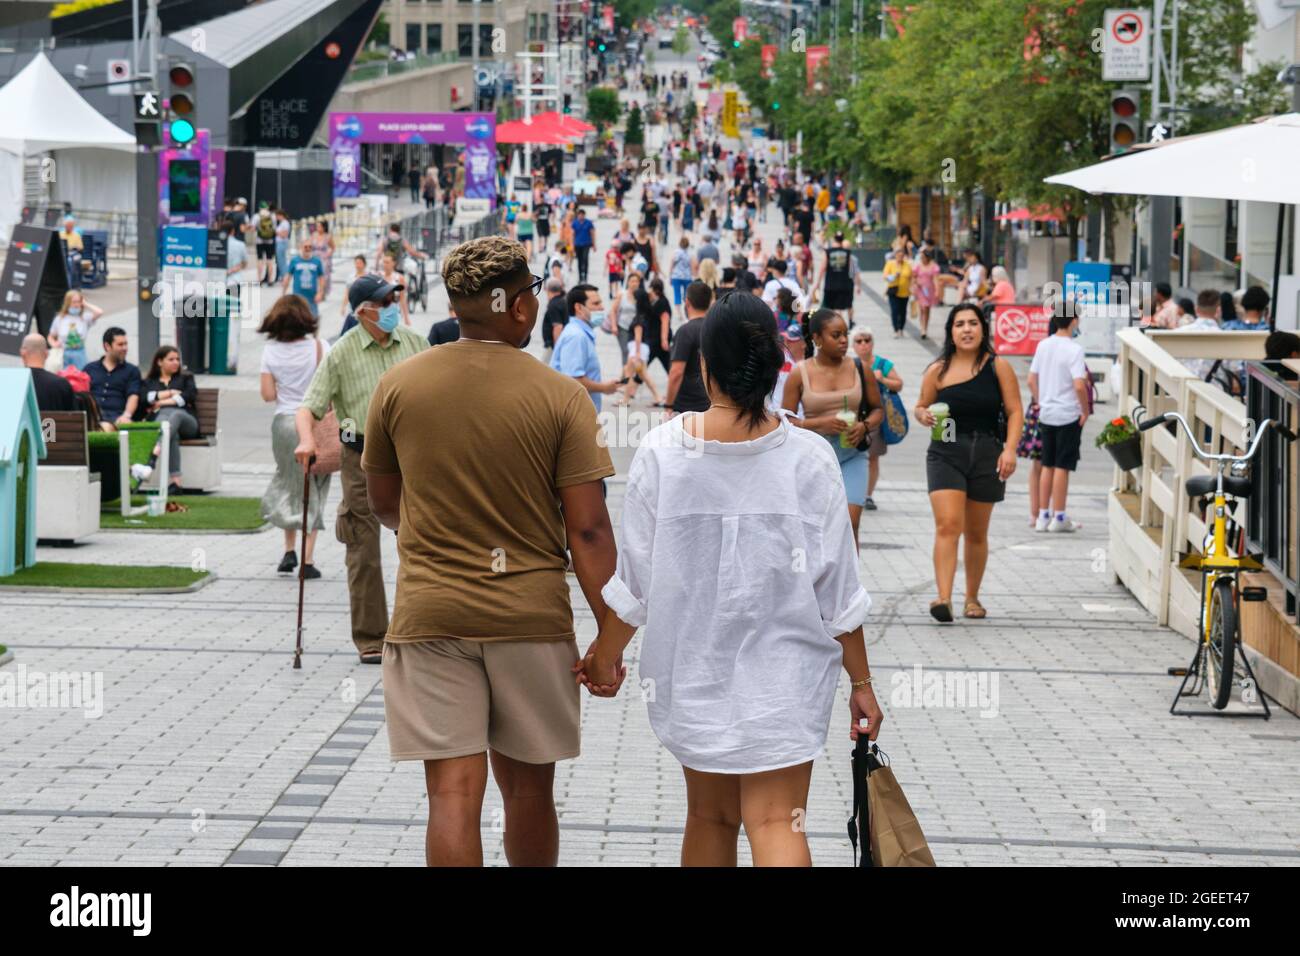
(71, 326)
(575, 349)
(480, 658)
(345, 380)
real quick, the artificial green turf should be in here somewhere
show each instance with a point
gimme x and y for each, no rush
(57, 574)
(206, 513)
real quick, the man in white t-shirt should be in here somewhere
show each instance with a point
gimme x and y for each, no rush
(1058, 380)
(781, 281)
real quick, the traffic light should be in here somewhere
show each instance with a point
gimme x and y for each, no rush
(775, 105)
(181, 104)
(1125, 121)
(735, 43)
(568, 103)
(601, 47)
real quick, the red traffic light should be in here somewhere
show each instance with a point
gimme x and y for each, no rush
(181, 76)
(1123, 105)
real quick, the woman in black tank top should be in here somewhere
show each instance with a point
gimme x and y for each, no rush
(970, 455)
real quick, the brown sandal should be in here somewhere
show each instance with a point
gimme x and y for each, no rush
(975, 609)
(941, 611)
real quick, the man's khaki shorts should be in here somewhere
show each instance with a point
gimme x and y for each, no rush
(452, 698)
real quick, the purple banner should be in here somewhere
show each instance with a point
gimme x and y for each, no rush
(475, 131)
(184, 170)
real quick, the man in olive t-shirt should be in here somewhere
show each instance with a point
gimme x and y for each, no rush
(480, 651)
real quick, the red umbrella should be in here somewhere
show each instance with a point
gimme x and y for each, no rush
(568, 124)
(1037, 214)
(535, 131)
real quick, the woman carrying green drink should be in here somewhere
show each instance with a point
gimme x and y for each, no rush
(970, 401)
(829, 387)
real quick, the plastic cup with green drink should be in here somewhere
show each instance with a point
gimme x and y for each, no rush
(940, 412)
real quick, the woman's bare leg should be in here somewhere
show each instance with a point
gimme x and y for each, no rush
(949, 509)
(975, 550)
(712, 818)
(773, 808)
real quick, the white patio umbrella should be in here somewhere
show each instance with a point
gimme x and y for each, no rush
(1254, 161)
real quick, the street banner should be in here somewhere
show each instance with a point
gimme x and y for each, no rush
(475, 132)
(814, 57)
(32, 284)
(739, 28)
(730, 109)
(184, 193)
(769, 57)
(1126, 45)
(607, 14)
(1017, 329)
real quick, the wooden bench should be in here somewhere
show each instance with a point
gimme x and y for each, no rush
(67, 492)
(201, 457)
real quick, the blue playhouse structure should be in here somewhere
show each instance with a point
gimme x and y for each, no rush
(21, 446)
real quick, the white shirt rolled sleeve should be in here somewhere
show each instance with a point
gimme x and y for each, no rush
(626, 592)
(843, 600)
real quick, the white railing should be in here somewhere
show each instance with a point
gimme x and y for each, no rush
(1145, 551)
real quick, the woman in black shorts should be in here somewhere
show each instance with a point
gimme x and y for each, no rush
(967, 467)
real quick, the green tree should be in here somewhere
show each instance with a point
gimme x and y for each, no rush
(634, 132)
(603, 107)
(681, 40)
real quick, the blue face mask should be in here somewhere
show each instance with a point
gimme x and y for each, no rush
(389, 316)
(596, 318)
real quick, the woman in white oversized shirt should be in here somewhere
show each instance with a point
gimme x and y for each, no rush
(737, 557)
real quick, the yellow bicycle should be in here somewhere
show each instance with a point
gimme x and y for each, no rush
(1213, 667)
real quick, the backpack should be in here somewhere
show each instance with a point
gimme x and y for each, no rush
(265, 227)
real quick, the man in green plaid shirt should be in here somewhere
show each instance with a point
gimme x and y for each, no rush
(345, 380)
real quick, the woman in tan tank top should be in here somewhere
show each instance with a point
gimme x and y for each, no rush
(827, 385)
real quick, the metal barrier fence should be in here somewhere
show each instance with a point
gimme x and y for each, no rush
(358, 230)
(120, 226)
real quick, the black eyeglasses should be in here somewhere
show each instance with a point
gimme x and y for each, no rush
(534, 287)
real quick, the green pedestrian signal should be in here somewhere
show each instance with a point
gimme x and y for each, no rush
(735, 43)
(776, 106)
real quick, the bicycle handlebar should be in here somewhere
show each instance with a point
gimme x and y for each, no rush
(1149, 423)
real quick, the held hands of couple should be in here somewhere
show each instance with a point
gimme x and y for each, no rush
(601, 675)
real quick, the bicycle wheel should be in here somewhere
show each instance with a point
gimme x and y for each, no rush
(1222, 644)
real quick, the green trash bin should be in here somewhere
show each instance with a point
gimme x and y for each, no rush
(223, 335)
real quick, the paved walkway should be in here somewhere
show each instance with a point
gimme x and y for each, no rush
(211, 750)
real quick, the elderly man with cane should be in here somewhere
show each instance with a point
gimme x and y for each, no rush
(345, 380)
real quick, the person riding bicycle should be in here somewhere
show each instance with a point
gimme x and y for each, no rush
(394, 245)
(404, 255)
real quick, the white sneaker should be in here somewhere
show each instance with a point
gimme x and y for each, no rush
(1042, 523)
(141, 473)
(1062, 525)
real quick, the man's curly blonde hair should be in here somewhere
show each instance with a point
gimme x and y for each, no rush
(474, 267)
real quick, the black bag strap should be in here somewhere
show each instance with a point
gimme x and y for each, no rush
(868, 390)
(860, 820)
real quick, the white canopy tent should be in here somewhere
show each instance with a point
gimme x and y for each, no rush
(43, 112)
(1254, 162)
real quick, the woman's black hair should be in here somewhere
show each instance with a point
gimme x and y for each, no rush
(742, 352)
(818, 321)
(950, 346)
(1227, 307)
(155, 367)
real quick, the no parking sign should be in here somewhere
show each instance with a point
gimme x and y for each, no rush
(1017, 329)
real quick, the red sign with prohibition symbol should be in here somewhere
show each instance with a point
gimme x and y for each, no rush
(1127, 28)
(1017, 329)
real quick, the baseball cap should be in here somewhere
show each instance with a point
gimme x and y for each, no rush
(371, 288)
(793, 332)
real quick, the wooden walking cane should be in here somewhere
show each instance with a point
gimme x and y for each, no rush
(302, 559)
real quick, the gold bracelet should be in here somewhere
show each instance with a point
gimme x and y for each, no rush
(861, 683)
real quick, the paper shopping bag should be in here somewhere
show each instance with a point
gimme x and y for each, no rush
(882, 815)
